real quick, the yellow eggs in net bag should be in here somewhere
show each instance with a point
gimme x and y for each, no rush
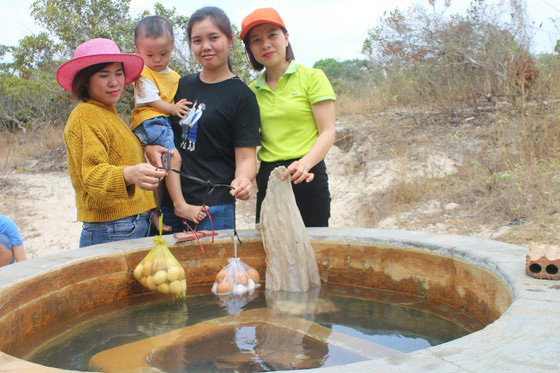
(160, 271)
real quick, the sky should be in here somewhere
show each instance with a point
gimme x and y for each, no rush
(318, 28)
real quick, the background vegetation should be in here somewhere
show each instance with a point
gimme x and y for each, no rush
(30, 98)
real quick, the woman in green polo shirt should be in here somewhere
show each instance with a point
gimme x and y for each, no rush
(297, 116)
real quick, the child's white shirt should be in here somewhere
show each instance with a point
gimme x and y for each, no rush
(150, 90)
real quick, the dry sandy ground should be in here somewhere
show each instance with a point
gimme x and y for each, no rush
(43, 207)
(42, 204)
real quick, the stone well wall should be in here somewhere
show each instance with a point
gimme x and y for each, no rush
(475, 277)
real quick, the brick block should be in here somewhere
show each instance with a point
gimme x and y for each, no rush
(543, 261)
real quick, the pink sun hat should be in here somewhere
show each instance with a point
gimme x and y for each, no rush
(96, 51)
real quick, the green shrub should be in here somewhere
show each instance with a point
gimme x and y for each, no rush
(32, 103)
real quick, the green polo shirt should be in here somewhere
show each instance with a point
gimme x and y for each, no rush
(288, 129)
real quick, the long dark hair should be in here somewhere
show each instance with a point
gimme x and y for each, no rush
(218, 17)
(256, 64)
(153, 27)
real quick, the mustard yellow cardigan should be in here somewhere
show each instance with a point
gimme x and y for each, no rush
(99, 146)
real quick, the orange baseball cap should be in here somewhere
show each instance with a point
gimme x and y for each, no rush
(258, 17)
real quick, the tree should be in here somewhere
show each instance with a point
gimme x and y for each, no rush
(449, 59)
(74, 21)
(345, 75)
(239, 60)
(34, 53)
(347, 70)
(69, 23)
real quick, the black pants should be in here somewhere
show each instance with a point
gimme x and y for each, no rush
(313, 199)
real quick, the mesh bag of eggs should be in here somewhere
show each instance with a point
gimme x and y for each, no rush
(236, 278)
(160, 271)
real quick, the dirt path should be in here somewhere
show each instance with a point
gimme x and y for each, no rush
(42, 205)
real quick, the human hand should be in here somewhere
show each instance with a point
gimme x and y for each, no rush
(154, 154)
(242, 188)
(180, 109)
(143, 175)
(298, 171)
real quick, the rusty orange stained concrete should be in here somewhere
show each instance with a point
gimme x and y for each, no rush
(485, 279)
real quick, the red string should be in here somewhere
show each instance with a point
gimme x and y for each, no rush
(195, 232)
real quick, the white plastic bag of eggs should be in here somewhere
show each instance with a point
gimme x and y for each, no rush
(236, 278)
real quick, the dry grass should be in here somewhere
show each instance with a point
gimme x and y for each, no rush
(507, 158)
(360, 99)
(25, 152)
(511, 179)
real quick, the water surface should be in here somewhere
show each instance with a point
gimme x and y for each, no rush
(72, 342)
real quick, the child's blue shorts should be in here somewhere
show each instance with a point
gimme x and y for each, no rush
(156, 131)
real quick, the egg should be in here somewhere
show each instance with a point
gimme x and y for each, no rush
(173, 274)
(221, 275)
(150, 282)
(239, 290)
(241, 278)
(144, 281)
(250, 285)
(138, 271)
(251, 272)
(224, 287)
(147, 270)
(160, 277)
(175, 287)
(182, 276)
(170, 262)
(159, 265)
(215, 287)
(163, 288)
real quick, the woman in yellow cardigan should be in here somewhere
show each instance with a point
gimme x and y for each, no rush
(106, 162)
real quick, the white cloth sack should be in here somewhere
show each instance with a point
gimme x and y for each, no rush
(290, 259)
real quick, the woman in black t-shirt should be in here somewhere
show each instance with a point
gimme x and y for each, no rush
(218, 139)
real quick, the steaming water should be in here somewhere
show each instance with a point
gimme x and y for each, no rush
(72, 342)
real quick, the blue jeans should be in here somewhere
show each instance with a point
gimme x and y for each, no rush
(5, 241)
(135, 226)
(222, 217)
(156, 131)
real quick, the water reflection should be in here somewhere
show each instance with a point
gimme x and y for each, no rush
(303, 304)
(262, 331)
(235, 304)
(252, 348)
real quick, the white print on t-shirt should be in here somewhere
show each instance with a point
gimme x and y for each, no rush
(189, 126)
(147, 91)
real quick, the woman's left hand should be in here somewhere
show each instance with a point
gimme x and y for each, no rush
(242, 188)
(298, 171)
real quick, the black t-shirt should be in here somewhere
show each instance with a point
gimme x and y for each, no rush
(228, 118)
